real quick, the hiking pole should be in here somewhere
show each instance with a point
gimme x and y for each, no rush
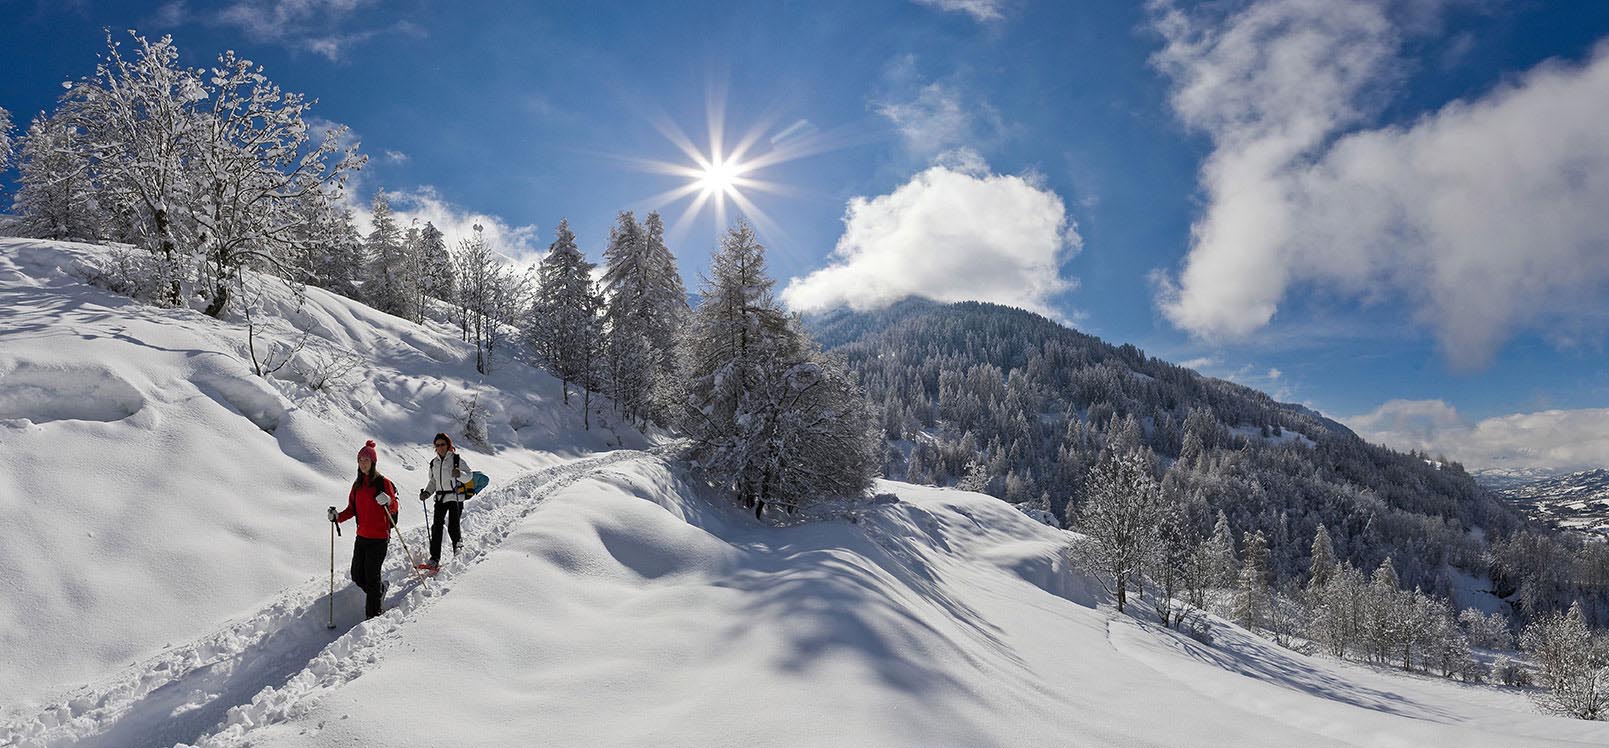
(400, 539)
(335, 529)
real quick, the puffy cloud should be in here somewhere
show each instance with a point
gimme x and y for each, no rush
(1484, 216)
(396, 157)
(1552, 440)
(982, 11)
(949, 234)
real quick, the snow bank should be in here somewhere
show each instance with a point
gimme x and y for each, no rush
(628, 610)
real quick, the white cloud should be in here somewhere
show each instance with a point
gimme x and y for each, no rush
(317, 26)
(1485, 216)
(521, 244)
(982, 11)
(947, 235)
(396, 157)
(1559, 440)
(935, 116)
(1199, 363)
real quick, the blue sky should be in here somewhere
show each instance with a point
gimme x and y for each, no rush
(1389, 210)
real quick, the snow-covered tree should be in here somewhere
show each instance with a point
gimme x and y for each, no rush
(646, 308)
(337, 259)
(772, 418)
(1340, 610)
(1385, 615)
(56, 199)
(1572, 662)
(1486, 631)
(253, 163)
(565, 327)
(1177, 565)
(1221, 551)
(435, 272)
(1252, 596)
(1119, 515)
(1322, 559)
(391, 281)
(139, 115)
(6, 145)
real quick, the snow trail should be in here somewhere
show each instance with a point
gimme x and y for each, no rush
(271, 665)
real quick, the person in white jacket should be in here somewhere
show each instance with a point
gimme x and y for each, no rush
(448, 473)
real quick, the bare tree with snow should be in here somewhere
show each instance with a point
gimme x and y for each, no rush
(56, 199)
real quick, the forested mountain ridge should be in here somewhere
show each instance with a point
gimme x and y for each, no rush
(1010, 402)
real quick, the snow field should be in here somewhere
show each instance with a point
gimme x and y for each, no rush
(155, 489)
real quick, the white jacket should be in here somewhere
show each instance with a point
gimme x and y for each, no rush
(442, 479)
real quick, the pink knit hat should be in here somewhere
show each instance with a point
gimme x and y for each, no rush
(368, 451)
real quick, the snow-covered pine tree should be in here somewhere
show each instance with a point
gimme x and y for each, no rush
(337, 259)
(772, 419)
(1119, 514)
(5, 139)
(1322, 559)
(138, 115)
(1385, 612)
(56, 199)
(1252, 599)
(646, 308)
(1221, 549)
(565, 327)
(435, 271)
(390, 281)
(253, 161)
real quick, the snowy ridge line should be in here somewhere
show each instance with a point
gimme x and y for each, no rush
(272, 665)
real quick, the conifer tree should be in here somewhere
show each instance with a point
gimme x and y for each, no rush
(389, 284)
(1323, 561)
(1252, 599)
(565, 326)
(772, 418)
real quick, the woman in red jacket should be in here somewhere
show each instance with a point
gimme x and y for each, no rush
(373, 500)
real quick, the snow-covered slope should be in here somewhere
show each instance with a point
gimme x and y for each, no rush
(153, 488)
(606, 603)
(602, 598)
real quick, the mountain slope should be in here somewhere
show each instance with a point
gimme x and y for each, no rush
(1021, 405)
(154, 488)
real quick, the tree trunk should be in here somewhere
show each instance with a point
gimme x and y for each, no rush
(170, 250)
(1122, 592)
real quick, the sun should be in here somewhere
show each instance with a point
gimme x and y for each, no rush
(722, 177)
(721, 172)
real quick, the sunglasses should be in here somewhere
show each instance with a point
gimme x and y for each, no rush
(441, 444)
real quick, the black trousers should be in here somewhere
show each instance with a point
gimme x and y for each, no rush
(450, 511)
(368, 555)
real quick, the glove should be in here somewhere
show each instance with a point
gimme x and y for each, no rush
(334, 515)
(423, 493)
(382, 498)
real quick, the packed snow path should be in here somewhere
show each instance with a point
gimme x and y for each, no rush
(264, 666)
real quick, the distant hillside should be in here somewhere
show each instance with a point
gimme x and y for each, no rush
(1577, 501)
(1018, 405)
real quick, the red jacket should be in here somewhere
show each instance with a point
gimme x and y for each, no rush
(372, 519)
